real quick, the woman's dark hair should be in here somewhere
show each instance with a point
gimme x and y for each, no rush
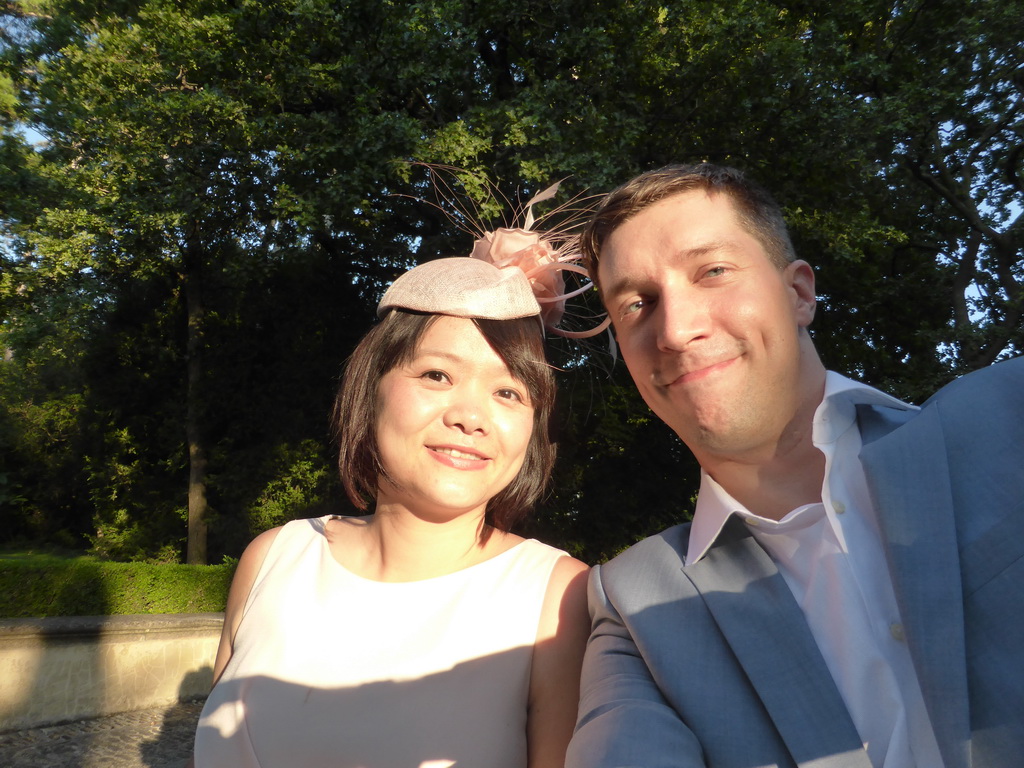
(391, 343)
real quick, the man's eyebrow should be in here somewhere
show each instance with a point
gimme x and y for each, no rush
(625, 284)
(631, 282)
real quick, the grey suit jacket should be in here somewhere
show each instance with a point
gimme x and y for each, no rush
(713, 664)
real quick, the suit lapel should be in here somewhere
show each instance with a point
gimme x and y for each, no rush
(910, 486)
(756, 612)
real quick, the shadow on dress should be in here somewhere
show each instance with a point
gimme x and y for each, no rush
(457, 717)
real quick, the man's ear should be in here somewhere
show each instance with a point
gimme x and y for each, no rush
(799, 276)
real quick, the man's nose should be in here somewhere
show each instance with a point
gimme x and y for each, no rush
(681, 319)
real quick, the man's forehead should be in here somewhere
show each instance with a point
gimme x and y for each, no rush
(684, 201)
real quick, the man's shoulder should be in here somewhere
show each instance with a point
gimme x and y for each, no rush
(996, 385)
(666, 548)
(979, 406)
(648, 573)
(981, 402)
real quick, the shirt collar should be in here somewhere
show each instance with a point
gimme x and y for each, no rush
(834, 415)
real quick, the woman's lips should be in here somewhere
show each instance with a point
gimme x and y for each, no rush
(459, 457)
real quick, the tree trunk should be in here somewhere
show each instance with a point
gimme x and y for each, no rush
(197, 454)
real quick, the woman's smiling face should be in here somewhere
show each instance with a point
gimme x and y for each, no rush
(453, 424)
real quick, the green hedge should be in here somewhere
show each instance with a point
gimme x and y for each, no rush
(96, 588)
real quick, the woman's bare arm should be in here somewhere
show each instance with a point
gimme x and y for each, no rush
(557, 658)
(241, 584)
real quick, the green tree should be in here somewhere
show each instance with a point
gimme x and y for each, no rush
(224, 188)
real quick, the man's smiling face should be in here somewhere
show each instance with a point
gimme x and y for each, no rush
(709, 327)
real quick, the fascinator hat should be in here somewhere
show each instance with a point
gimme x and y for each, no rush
(462, 287)
(512, 272)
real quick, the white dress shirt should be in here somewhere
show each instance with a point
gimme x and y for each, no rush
(831, 556)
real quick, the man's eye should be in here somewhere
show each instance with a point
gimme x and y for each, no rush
(715, 272)
(634, 306)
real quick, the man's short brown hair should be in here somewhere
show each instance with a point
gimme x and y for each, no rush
(756, 209)
(391, 343)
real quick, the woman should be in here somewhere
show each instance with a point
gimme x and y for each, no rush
(426, 634)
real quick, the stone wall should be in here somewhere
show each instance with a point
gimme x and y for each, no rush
(60, 669)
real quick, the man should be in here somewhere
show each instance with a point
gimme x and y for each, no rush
(851, 590)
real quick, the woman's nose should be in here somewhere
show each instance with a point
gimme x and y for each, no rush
(467, 412)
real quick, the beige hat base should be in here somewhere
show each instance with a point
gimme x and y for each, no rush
(462, 287)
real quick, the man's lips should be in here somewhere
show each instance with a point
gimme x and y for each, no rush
(697, 372)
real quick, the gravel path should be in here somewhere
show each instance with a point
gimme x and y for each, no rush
(148, 738)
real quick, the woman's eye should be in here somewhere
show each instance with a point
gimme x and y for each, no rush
(510, 394)
(439, 376)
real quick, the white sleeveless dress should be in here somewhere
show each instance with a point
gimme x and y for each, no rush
(331, 669)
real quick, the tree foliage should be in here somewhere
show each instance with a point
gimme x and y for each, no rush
(200, 202)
